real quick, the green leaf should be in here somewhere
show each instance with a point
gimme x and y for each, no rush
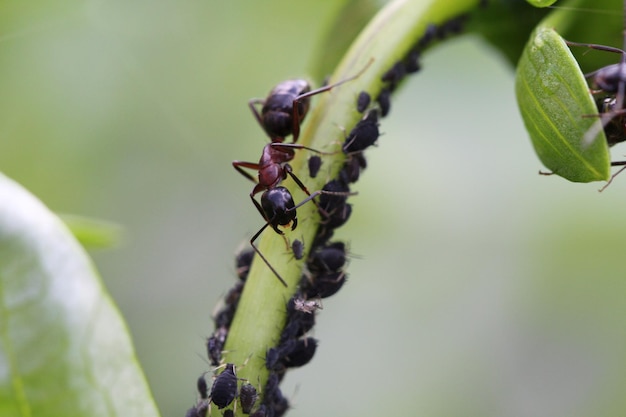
(93, 233)
(553, 97)
(64, 348)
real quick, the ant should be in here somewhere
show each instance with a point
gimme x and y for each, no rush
(610, 80)
(282, 114)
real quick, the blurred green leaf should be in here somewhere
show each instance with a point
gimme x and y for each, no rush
(93, 233)
(344, 28)
(64, 348)
(506, 25)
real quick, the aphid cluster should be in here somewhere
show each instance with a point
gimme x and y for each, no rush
(324, 275)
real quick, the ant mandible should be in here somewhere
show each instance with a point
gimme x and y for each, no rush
(283, 111)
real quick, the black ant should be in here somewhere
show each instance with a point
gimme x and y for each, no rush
(283, 111)
(610, 80)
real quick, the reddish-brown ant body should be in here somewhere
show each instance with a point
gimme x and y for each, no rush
(281, 115)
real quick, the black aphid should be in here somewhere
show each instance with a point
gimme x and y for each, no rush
(315, 163)
(330, 258)
(275, 356)
(260, 412)
(384, 101)
(215, 345)
(364, 134)
(351, 170)
(412, 62)
(331, 202)
(228, 413)
(202, 388)
(247, 397)
(297, 248)
(224, 388)
(429, 35)
(298, 324)
(363, 101)
(326, 285)
(302, 353)
(198, 410)
(243, 260)
(394, 75)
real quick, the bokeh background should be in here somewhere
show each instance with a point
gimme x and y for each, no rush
(477, 287)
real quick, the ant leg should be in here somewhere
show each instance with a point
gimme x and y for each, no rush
(262, 256)
(252, 104)
(260, 209)
(597, 47)
(311, 196)
(614, 164)
(295, 113)
(281, 146)
(239, 165)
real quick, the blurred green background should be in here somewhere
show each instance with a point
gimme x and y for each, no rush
(477, 287)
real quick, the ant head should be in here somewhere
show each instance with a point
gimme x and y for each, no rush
(278, 206)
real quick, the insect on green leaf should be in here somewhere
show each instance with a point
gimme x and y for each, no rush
(557, 109)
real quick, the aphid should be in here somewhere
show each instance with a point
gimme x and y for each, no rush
(330, 258)
(271, 385)
(198, 410)
(224, 389)
(325, 285)
(275, 356)
(363, 135)
(260, 412)
(298, 322)
(279, 404)
(412, 62)
(429, 35)
(363, 101)
(307, 306)
(333, 206)
(243, 260)
(202, 387)
(455, 25)
(301, 354)
(384, 101)
(351, 170)
(297, 248)
(215, 345)
(394, 75)
(228, 413)
(315, 163)
(247, 397)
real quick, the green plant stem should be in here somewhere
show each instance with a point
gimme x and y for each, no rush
(261, 312)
